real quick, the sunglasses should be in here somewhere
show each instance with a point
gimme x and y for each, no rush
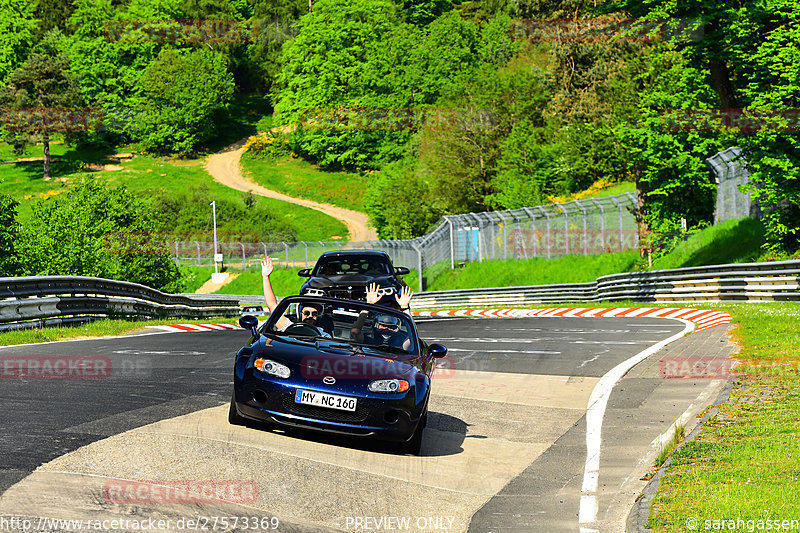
(312, 314)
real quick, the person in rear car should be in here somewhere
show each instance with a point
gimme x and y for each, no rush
(309, 313)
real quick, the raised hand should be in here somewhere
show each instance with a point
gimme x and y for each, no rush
(404, 298)
(266, 267)
(372, 293)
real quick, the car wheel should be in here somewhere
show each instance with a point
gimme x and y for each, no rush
(413, 445)
(233, 415)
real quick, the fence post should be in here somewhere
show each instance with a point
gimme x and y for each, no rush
(505, 239)
(419, 266)
(323, 246)
(306, 245)
(583, 212)
(197, 263)
(602, 224)
(286, 247)
(177, 260)
(531, 214)
(619, 213)
(634, 203)
(547, 222)
(244, 258)
(452, 257)
(566, 227)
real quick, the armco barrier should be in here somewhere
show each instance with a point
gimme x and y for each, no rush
(36, 301)
(755, 282)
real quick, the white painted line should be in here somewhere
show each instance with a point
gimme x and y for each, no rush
(588, 509)
(594, 421)
(472, 350)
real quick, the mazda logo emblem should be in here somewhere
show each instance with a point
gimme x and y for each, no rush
(329, 380)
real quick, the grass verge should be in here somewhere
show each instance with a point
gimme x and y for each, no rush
(539, 271)
(745, 462)
(301, 179)
(97, 328)
(146, 176)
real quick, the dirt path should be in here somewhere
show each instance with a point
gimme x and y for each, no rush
(224, 167)
(210, 287)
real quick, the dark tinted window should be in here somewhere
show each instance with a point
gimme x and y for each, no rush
(338, 265)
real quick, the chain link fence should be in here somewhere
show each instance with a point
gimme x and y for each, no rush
(730, 173)
(591, 226)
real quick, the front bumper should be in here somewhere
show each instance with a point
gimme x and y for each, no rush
(393, 418)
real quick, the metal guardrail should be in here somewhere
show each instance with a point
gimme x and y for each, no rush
(27, 302)
(755, 282)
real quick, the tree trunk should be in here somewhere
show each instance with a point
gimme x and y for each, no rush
(722, 83)
(309, 6)
(47, 159)
(641, 211)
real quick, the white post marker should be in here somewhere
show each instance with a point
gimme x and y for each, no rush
(214, 215)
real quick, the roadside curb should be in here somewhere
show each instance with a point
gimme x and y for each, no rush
(702, 318)
(186, 328)
(640, 513)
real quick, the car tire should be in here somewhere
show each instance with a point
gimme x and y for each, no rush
(233, 415)
(414, 444)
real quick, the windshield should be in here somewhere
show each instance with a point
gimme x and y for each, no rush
(361, 326)
(340, 265)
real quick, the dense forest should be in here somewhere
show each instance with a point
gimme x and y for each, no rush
(444, 106)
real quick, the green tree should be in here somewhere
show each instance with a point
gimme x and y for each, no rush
(17, 27)
(97, 231)
(181, 93)
(43, 82)
(748, 55)
(9, 236)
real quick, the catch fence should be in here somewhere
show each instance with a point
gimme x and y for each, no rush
(583, 227)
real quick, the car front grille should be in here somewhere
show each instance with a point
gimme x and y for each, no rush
(323, 413)
(356, 293)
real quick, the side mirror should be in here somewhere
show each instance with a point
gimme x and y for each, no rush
(437, 351)
(305, 273)
(249, 322)
(401, 271)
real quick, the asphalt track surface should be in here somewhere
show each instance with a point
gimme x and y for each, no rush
(504, 449)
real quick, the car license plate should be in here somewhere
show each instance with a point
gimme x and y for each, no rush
(321, 399)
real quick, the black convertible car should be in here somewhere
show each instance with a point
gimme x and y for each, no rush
(338, 366)
(347, 273)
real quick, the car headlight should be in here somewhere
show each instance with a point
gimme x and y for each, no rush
(315, 292)
(388, 385)
(386, 291)
(272, 368)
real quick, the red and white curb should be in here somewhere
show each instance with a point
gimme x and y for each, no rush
(702, 318)
(193, 327)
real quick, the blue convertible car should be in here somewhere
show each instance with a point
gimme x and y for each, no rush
(338, 366)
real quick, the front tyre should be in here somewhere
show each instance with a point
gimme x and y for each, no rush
(233, 415)
(413, 445)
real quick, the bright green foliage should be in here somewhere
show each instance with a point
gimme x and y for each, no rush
(749, 53)
(180, 96)
(17, 27)
(42, 82)
(96, 231)
(9, 236)
(400, 201)
(190, 214)
(276, 20)
(425, 11)
(360, 56)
